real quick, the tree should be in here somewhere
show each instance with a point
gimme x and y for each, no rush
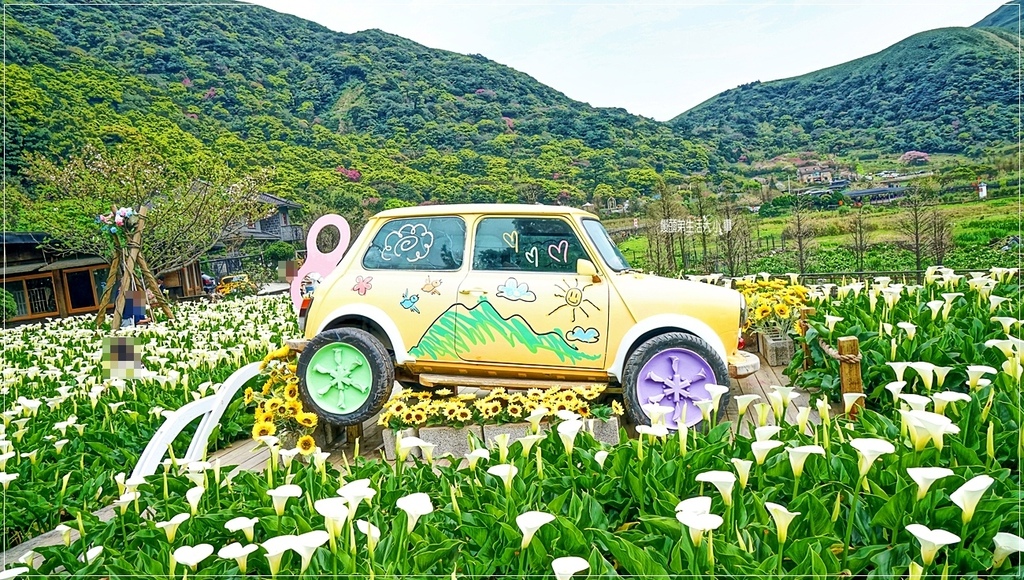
(801, 230)
(940, 234)
(734, 231)
(859, 238)
(665, 216)
(191, 207)
(914, 223)
(702, 207)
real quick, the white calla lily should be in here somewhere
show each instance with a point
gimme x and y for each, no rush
(567, 431)
(505, 472)
(244, 524)
(967, 496)
(724, 481)
(566, 566)
(238, 553)
(869, 450)
(415, 505)
(191, 556)
(170, 527)
(761, 449)
(1006, 544)
(281, 494)
(924, 477)
(530, 522)
(275, 549)
(798, 456)
(931, 541)
(307, 544)
(783, 518)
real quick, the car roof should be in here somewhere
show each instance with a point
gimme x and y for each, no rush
(483, 208)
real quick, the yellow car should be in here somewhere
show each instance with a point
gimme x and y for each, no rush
(517, 296)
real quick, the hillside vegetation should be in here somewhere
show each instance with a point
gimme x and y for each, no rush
(351, 122)
(946, 90)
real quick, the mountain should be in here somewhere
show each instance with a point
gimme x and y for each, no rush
(946, 90)
(1005, 17)
(351, 122)
(482, 325)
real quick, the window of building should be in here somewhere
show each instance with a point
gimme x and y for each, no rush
(34, 296)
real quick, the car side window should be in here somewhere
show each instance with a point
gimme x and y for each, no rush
(527, 244)
(436, 243)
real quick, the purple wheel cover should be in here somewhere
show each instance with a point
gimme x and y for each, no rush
(676, 378)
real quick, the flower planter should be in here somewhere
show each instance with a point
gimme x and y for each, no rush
(604, 431)
(514, 430)
(750, 341)
(450, 440)
(389, 442)
(776, 348)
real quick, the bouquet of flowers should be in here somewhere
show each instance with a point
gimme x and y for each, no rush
(772, 305)
(119, 221)
(279, 411)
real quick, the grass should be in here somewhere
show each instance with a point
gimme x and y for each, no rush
(974, 223)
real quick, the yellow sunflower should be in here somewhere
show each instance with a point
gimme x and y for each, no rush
(763, 311)
(307, 419)
(443, 392)
(306, 444)
(407, 416)
(515, 411)
(249, 395)
(292, 408)
(291, 391)
(463, 415)
(419, 416)
(273, 405)
(263, 429)
(617, 408)
(782, 311)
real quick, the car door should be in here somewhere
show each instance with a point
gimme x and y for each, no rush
(522, 302)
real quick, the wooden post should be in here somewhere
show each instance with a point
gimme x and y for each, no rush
(804, 313)
(115, 266)
(849, 373)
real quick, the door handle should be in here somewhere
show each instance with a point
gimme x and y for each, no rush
(473, 291)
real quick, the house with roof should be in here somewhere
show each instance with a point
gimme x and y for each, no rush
(277, 227)
(815, 174)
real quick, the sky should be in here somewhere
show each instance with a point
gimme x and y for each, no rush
(652, 58)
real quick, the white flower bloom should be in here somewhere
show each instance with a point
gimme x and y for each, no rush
(306, 544)
(566, 566)
(505, 472)
(530, 522)
(528, 442)
(869, 450)
(698, 524)
(742, 470)
(974, 374)
(371, 531)
(744, 401)
(280, 496)
(849, 400)
(931, 540)
(767, 432)
(967, 496)
(476, 455)
(335, 513)
(191, 556)
(567, 431)
(762, 448)
(600, 457)
(415, 505)
(899, 368)
(244, 524)
(916, 402)
(724, 481)
(1006, 544)
(238, 553)
(275, 548)
(783, 517)
(924, 477)
(945, 397)
(798, 455)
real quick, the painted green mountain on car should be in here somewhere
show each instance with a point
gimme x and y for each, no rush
(481, 325)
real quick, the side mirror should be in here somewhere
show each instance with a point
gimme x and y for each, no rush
(587, 268)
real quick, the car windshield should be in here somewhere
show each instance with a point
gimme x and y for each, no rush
(604, 244)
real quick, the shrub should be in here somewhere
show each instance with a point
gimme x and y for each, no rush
(8, 304)
(279, 251)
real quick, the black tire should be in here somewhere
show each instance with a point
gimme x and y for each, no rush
(646, 351)
(381, 366)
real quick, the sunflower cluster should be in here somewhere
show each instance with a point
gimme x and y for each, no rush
(279, 410)
(444, 407)
(772, 304)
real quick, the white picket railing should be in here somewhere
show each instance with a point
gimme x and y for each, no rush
(211, 409)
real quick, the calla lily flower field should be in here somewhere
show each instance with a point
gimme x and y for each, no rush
(67, 432)
(922, 482)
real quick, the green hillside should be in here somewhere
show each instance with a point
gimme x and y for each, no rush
(951, 90)
(351, 123)
(1006, 17)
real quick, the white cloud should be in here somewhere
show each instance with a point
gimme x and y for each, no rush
(652, 58)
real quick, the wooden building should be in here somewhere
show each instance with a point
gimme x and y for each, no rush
(46, 286)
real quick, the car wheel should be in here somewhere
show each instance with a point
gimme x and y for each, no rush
(345, 376)
(672, 370)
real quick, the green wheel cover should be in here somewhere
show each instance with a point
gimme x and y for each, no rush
(339, 378)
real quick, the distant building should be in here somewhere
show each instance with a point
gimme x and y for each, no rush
(274, 228)
(815, 174)
(45, 285)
